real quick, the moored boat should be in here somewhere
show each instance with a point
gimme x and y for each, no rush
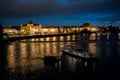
(78, 52)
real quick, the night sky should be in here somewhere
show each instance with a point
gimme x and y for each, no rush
(60, 12)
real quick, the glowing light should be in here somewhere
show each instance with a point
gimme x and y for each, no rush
(52, 30)
(47, 39)
(73, 37)
(32, 39)
(93, 29)
(68, 38)
(22, 30)
(11, 56)
(5, 37)
(37, 39)
(45, 30)
(41, 39)
(54, 38)
(61, 38)
(93, 36)
(92, 48)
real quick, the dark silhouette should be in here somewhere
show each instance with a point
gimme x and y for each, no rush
(86, 24)
(1, 32)
(4, 38)
(3, 74)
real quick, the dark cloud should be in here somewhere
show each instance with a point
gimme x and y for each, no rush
(41, 8)
(19, 8)
(95, 6)
(29, 8)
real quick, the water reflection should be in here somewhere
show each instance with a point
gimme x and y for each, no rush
(27, 55)
(72, 68)
(11, 57)
(93, 48)
(93, 36)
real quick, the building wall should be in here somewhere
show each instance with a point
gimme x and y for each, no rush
(11, 31)
(37, 29)
(30, 29)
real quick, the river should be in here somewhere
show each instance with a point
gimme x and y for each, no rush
(23, 60)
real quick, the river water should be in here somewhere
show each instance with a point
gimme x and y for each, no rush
(23, 60)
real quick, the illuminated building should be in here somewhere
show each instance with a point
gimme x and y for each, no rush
(11, 31)
(34, 29)
(38, 29)
(49, 30)
(91, 28)
(30, 28)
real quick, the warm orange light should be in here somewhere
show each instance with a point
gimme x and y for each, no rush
(45, 30)
(52, 30)
(93, 29)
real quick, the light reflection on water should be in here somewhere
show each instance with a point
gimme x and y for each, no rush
(29, 55)
(11, 57)
(93, 37)
(92, 48)
(26, 56)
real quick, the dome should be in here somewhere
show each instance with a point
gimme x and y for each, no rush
(30, 22)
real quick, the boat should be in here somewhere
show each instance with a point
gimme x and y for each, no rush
(78, 52)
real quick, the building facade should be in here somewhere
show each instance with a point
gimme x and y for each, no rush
(11, 31)
(30, 28)
(37, 29)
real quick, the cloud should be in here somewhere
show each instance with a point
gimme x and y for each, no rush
(26, 8)
(29, 8)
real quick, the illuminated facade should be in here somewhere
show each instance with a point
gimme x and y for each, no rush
(49, 30)
(91, 28)
(38, 29)
(11, 31)
(30, 28)
(34, 29)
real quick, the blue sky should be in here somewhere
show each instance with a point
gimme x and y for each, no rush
(60, 12)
